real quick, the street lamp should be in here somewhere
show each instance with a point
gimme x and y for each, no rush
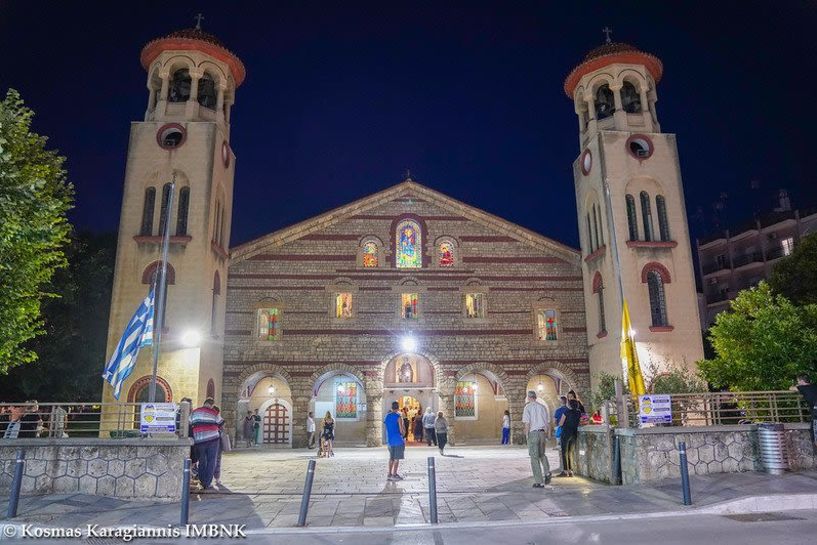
(191, 338)
(271, 390)
(408, 343)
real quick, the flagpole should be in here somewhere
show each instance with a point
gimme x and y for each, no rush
(160, 304)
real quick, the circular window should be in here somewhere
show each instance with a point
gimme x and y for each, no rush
(639, 146)
(171, 136)
(586, 162)
(225, 154)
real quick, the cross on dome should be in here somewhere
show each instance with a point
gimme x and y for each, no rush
(199, 17)
(607, 31)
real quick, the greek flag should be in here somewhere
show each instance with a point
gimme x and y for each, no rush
(138, 333)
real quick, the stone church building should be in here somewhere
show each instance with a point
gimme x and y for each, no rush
(406, 295)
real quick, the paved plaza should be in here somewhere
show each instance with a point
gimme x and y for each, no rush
(262, 489)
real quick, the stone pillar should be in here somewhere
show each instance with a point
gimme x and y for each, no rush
(161, 108)
(192, 106)
(151, 102)
(300, 410)
(374, 419)
(220, 103)
(619, 115)
(592, 123)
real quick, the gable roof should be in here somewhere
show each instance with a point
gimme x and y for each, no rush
(408, 187)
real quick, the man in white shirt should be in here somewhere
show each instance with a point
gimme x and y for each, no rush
(310, 430)
(536, 422)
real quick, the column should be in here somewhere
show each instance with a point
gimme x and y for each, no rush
(192, 106)
(151, 102)
(619, 115)
(374, 419)
(592, 123)
(300, 410)
(220, 103)
(161, 108)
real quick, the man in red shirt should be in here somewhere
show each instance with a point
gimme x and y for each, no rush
(206, 424)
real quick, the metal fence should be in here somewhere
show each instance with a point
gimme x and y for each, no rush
(64, 420)
(724, 408)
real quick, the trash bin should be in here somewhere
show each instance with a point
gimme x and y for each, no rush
(772, 440)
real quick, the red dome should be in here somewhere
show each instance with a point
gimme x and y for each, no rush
(610, 53)
(194, 39)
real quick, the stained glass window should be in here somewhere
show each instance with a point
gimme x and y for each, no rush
(346, 400)
(269, 324)
(343, 305)
(663, 220)
(409, 245)
(546, 325)
(370, 254)
(465, 399)
(446, 252)
(409, 306)
(658, 304)
(632, 221)
(475, 305)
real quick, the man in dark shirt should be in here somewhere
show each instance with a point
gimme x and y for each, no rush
(809, 392)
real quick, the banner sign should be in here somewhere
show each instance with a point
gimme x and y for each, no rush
(158, 418)
(655, 409)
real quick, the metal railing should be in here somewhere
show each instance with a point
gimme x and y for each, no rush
(725, 408)
(746, 259)
(64, 420)
(710, 268)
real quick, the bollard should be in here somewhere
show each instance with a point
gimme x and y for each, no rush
(432, 491)
(310, 476)
(682, 449)
(185, 513)
(16, 483)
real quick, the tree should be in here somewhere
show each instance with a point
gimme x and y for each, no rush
(34, 199)
(674, 379)
(762, 342)
(795, 277)
(71, 355)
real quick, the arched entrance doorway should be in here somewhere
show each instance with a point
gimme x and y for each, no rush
(409, 379)
(479, 403)
(269, 397)
(342, 395)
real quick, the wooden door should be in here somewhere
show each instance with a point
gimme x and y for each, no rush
(276, 425)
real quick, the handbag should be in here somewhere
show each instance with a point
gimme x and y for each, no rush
(558, 432)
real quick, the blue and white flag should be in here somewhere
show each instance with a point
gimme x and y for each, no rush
(138, 333)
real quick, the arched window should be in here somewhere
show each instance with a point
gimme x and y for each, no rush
(547, 327)
(152, 276)
(140, 391)
(646, 215)
(658, 305)
(207, 91)
(445, 254)
(214, 304)
(598, 226)
(164, 212)
(181, 216)
(409, 245)
(179, 90)
(269, 323)
(663, 221)
(632, 217)
(590, 246)
(343, 305)
(605, 104)
(598, 289)
(147, 212)
(630, 99)
(370, 255)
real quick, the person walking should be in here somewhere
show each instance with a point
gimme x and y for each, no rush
(256, 428)
(506, 428)
(572, 395)
(418, 427)
(248, 429)
(19, 422)
(569, 423)
(535, 418)
(441, 431)
(395, 440)
(310, 430)
(206, 424)
(428, 427)
(406, 423)
(328, 436)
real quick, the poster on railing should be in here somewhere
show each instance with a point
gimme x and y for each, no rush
(655, 409)
(158, 418)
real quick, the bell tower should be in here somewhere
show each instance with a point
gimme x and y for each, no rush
(185, 135)
(632, 217)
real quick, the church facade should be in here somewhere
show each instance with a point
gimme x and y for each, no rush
(407, 295)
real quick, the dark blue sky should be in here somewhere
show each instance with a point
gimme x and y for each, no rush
(341, 98)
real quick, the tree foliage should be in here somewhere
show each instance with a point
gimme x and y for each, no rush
(675, 379)
(34, 199)
(795, 277)
(71, 355)
(762, 342)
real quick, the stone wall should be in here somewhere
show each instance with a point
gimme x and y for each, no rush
(126, 468)
(651, 454)
(301, 267)
(594, 453)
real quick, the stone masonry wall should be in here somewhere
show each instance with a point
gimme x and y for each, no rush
(517, 269)
(596, 442)
(126, 468)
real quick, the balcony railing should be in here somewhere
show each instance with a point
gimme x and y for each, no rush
(746, 259)
(718, 297)
(777, 252)
(715, 267)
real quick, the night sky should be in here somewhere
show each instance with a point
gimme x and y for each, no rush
(342, 97)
